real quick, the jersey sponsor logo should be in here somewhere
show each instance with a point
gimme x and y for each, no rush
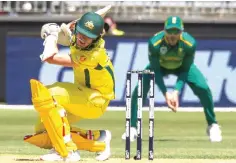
(216, 66)
(82, 58)
(163, 50)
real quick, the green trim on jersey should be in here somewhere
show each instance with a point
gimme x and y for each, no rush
(87, 78)
(108, 68)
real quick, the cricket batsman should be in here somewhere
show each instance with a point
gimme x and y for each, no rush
(61, 104)
(172, 51)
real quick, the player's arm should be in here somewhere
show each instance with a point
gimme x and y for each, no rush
(63, 60)
(155, 65)
(50, 54)
(187, 62)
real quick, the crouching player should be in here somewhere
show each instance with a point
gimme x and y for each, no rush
(61, 104)
(172, 51)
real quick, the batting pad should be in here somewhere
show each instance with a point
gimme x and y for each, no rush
(54, 119)
(42, 140)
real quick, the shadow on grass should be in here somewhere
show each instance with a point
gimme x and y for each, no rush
(27, 159)
(175, 140)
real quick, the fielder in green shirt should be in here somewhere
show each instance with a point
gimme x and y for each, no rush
(172, 51)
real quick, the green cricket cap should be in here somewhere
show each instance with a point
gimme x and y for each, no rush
(174, 22)
(90, 25)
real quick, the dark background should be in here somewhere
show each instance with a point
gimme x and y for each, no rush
(139, 30)
(198, 30)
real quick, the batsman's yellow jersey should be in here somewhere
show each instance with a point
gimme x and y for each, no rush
(94, 69)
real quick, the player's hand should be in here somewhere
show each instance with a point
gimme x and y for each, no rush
(169, 101)
(175, 99)
(50, 29)
(49, 32)
(71, 25)
(50, 48)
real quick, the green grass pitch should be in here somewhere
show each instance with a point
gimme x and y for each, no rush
(179, 135)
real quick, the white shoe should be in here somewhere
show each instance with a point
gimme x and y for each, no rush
(214, 133)
(53, 155)
(104, 155)
(133, 134)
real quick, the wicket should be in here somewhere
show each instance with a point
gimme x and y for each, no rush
(139, 114)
